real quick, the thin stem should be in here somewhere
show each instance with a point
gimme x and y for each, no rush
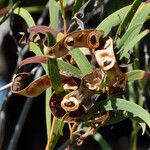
(135, 135)
(51, 133)
(65, 22)
(71, 132)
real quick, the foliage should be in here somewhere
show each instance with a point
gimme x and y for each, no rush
(129, 22)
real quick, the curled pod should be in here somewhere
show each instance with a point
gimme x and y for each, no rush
(21, 86)
(55, 106)
(105, 56)
(70, 103)
(84, 38)
(59, 112)
(93, 80)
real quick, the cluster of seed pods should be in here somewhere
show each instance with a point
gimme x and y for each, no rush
(108, 71)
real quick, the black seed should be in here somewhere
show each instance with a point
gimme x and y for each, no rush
(69, 104)
(70, 41)
(93, 40)
(107, 62)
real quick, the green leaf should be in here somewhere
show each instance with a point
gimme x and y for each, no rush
(133, 110)
(132, 43)
(101, 141)
(4, 17)
(34, 9)
(37, 51)
(139, 17)
(54, 75)
(135, 75)
(56, 134)
(128, 17)
(68, 67)
(54, 13)
(123, 40)
(113, 20)
(62, 124)
(81, 61)
(77, 5)
(48, 111)
(25, 15)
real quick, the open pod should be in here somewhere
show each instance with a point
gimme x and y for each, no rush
(84, 38)
(21, 85)
(88, 87)
(59, 112)
(106, 59)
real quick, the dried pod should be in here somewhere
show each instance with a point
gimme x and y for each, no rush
(84, 38)
(105, 57)
(88, 86)
(68, 82)
(55, 106)
(70, 103)
(94, 79)
(35, 88)
(59, 112)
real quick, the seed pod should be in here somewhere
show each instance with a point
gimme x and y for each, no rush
(105, 56)
(88, 86)
(59, 112)
(84, 38)
(35, 88)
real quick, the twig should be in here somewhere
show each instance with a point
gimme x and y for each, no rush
(51, 134)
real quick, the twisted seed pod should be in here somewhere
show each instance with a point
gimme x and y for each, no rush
(88, 86)
(33, 89)
(105, 56)
(106, 59)
(22, 86)
(84, 38)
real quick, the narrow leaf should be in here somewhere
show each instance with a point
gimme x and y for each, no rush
(54, 76)
(101, 141)
(25, 15)
(135, 75)
(54, 13)
(48, 111)
(81, 61)
(123, 40)
(113, 20)
(132, 43)
(139, 17)
(34, 59)
(134, 111)
(129, 16)
(68, 67)
(3, 10)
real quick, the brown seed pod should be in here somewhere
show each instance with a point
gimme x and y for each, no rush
(105, 57)
(35, 88)
(55, 106)
(88, 86)
(59, 112)
(70, 103)
(84, 38)
(93, 80)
